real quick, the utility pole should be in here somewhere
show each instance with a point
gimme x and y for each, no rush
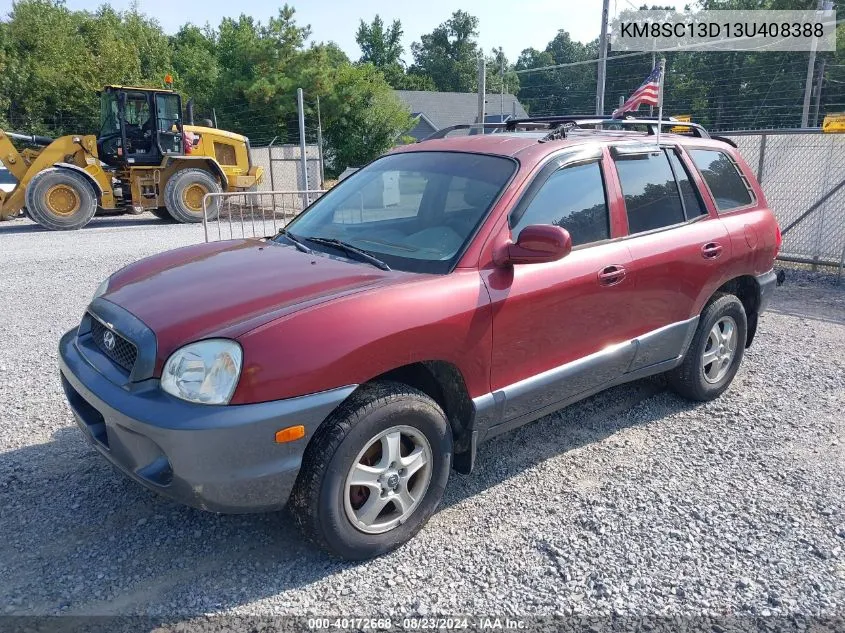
(823, 5)
(301, 107)
(819, 81)
(482, 88)
(602, 58)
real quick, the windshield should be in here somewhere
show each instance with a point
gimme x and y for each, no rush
(416, 211)
(109, 123)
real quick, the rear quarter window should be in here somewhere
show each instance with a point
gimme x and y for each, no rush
(722, 175)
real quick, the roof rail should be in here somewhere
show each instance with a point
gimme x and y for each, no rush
(576, 120)
(560, 125)
(476, 128)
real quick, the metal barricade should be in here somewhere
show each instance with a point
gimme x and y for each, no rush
(240, 214)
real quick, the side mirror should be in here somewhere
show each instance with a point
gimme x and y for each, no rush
(536, 244)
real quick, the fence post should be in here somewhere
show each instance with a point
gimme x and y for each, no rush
(270, 164)
(320, 145)
(305, 199)
(761, 161)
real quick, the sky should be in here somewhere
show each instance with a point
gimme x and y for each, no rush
(513, 25)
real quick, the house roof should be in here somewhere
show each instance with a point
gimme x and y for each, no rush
(443, 109)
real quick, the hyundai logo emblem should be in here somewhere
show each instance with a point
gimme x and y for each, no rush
(108, 340)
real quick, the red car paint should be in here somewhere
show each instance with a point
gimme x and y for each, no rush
(308, 323)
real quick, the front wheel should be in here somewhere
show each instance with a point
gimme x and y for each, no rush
(184, 193)
(715, 353)
(60, 199)
(374, 472)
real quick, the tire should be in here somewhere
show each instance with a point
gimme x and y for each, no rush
(184, 192)
(162, 214)
(60, 199)
(694, 378)
(324, 503)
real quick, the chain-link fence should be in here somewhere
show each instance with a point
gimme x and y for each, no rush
(803, 177)
(283, 170)
(229, 216)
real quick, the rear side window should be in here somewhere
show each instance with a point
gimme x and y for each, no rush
(572, 198)
(692, 202)
(727, 185)
(650, 191)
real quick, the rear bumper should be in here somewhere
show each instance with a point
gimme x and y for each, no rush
(767, 282)
(216, 458)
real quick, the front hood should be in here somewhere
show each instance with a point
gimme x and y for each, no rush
(228, 288)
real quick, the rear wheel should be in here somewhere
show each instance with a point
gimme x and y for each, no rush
(715, 353)
(60, 199)
(184, 194)
(374, 472)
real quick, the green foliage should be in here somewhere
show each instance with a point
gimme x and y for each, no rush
(382, 47)
(570, 89)
(367, 116)
(196, 69)
(52, 71)
(53, 61)
(449, 54)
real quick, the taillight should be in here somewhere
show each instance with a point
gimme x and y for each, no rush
(778, 239)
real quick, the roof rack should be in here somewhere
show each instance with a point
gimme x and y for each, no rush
(559, 126)
(477, 128)
(576, 121)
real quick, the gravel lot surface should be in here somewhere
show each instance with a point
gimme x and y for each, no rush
(633, 502)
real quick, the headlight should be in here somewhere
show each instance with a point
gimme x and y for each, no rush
(205, 372)
(102, 288)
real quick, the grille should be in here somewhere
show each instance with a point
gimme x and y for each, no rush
(124, 353)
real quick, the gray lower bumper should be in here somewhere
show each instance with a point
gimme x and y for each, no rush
(767, 282)
(217, 458)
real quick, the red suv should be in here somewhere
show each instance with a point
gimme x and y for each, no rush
(447, 292)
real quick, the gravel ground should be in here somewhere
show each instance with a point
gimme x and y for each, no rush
(633, 502)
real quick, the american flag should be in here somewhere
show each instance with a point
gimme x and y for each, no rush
(647, 94)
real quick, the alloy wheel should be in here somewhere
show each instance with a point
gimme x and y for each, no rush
(719, 350)
(388, 480)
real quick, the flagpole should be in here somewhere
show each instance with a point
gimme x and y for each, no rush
(660, 97)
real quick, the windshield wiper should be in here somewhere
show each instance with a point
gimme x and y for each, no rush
(295, 240)
(344, 246)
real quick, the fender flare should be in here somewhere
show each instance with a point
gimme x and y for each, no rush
(213, 164)
(98, 190)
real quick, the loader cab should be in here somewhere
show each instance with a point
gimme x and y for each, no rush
(139, 126)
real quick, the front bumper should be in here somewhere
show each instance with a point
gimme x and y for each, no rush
(216, 458)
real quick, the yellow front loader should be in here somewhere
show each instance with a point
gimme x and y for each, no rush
(144, 158)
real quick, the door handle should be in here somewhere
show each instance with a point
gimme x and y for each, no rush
(612, 275)
(711, 250)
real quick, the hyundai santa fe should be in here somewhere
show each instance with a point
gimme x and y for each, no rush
(448, 292)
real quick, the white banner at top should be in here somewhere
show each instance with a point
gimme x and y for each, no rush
(743, 30)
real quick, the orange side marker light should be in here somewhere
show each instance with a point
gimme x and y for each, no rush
(290, 434)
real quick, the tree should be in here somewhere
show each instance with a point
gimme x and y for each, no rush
(363, 117)
(382, 47)
(55, 60)
(449, 54)
(570, 89)
(195, 64)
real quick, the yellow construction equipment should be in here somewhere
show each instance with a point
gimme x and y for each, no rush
(145, 157)
(834, 123)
